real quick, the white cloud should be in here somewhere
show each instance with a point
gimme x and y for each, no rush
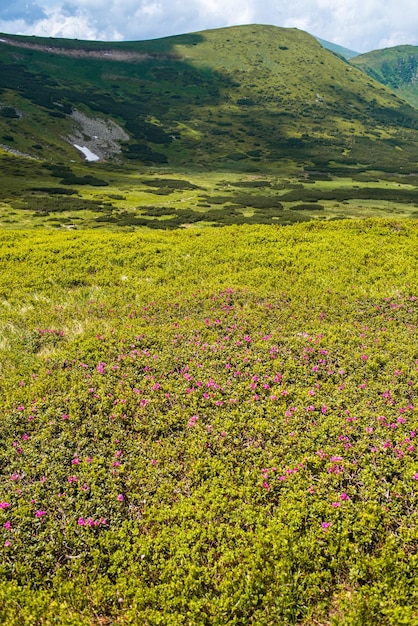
(357, 24)
(58, 24)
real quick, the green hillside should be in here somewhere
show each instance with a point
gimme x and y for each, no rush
(253, 124)
(224, 98)
(206, 426)
(395, 67)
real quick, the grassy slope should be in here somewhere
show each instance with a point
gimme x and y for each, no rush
(214, 110)
(395, 67)
(150, 384)
(228, 96)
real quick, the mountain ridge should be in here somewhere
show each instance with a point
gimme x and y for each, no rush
(396, 67)
(346, 53)
(275, 91)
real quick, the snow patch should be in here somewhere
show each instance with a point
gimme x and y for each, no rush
(90, 156)
(95, 137)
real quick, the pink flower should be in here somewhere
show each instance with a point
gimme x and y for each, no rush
(121, 498)
(40, 513)
(325, 526)
(101, 367)
(81, 521)
(415, 476)
(7, 525)
(192, 421)
(4, 505)
(266, 486)
(6, 544)
(344, 496)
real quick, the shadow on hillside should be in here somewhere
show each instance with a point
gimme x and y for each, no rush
(174, 111)
(189, 114)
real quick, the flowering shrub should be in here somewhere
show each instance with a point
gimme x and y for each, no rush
(226, 431)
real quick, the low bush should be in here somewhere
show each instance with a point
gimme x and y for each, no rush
(213, 430)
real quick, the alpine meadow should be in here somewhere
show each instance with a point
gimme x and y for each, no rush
(208, 331)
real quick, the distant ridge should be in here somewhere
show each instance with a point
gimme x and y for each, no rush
(395, 67)
(344, 52)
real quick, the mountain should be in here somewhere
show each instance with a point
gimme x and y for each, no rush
(228, 98)
(395, 67)
(346, 53)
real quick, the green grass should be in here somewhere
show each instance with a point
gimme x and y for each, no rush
(51, 197)
(209, 427)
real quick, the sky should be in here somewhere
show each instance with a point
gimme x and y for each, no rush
(360, 25)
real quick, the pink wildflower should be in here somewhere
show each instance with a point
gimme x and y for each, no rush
(101, 367)
(192, 421)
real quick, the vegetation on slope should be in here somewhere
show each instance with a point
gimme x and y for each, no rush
(56, 196)
(210, 430)
(396, 67)
(220, 99)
